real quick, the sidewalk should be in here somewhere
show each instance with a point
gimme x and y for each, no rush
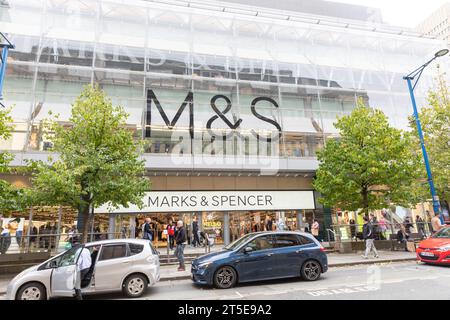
(170, 273)
(191, 250)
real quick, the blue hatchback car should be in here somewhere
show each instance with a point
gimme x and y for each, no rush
(262, 256)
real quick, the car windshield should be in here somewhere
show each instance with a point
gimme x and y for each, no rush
(238, 242)
(65, 258)
(443, 233)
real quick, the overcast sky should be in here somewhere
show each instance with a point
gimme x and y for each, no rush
(405, 13)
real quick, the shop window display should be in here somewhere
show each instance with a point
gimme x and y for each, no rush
(41, 234)
(244, 222)
(213, 226)
(131, 225)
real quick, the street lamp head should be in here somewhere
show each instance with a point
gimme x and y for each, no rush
(441, 53)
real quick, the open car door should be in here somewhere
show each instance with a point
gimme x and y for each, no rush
(65, 273)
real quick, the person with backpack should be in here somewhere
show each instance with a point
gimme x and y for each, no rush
(171, 233)
(369, 237)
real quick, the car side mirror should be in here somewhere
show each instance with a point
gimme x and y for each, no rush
(248, 249)
(53, 264)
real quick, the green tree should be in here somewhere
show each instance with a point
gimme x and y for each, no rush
(435, 121)
(5, 134)
(96, 160)
(370, 166)
(10, 197)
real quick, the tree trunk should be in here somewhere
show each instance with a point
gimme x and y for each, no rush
(85, 219)
(365, 201)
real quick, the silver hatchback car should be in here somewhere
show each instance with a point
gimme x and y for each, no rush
(127, 265)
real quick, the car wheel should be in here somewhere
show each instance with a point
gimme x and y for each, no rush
(311, 270)
(135, 285)
(32, 291)
(225, 277)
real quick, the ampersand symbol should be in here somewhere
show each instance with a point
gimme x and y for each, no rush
(221, 114)
(203, 201)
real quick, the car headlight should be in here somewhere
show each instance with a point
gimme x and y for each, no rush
(204, 265)
(445, 248)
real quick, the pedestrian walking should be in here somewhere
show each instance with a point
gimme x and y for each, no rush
(353, 228)
(306, 225)
(180, 241)
(196, 240)
(369, 237)
(436, 223)
(430, 227)
(420, 226)
(376, 227)
(171, 233)
(382, 226)
(147, 229)
(315, 228)
(281, 225)
(269, 224)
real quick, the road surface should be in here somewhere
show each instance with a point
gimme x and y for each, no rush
(401, 280)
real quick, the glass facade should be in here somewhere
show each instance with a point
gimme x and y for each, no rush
(298, 76)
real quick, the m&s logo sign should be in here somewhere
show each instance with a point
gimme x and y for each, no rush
(219, 115)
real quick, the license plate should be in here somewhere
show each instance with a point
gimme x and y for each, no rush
(427, 254)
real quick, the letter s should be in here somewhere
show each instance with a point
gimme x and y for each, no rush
(261, 117)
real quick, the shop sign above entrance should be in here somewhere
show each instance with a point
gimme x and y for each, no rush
(186, 201)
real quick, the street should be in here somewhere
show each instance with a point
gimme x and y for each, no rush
(401, 280)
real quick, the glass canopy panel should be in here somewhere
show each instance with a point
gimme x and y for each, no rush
(120, 57)
(21, 17)
(18, 88)
(168, 62)
(122, 24)
(26, 48)
(71, 19)
(297, 108)
(56, 89)
(66, 52)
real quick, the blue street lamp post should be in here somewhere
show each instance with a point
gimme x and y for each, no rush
(3, 59)
(409, 78)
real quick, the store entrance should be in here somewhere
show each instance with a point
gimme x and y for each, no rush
(211, 224)
(243, 222)
(131, 225)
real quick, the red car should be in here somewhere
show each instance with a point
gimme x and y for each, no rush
(436, 249)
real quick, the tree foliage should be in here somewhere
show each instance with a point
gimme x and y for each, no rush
(96, 159)
(370, 166)
(11, 197)
(435, 121)
(5, 134)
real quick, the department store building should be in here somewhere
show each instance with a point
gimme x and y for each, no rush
(233, 101)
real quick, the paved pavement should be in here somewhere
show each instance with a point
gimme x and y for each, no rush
(189, 250)
(170, 273)
(392, 280)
